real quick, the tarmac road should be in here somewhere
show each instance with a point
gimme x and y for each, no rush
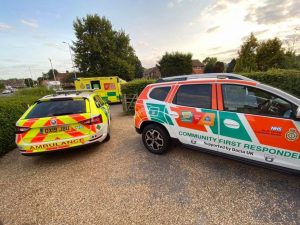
(119, 182)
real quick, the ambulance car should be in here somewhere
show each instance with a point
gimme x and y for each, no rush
(63, 120)
(109, 88)
(226, 114)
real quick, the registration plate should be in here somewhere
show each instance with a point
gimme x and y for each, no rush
(49, 130)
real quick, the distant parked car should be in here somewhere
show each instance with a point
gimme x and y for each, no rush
(5, 92)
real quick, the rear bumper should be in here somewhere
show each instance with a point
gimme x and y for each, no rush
(36, 148)
(28, 153)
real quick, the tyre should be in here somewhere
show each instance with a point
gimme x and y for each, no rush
(108, 134)
(156, 139)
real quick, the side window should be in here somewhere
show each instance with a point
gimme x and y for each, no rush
(97, 102)
(244, 99)
(96, 84)
(159, 93)
(100, 100)
(194, 95)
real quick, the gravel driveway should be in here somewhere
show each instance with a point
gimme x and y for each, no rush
(119, 182)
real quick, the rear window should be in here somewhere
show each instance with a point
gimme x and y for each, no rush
(57, 108)
(159, 93)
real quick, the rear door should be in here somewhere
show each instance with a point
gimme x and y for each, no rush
(194, 109)
(110, 88)
(56, 119)
(259, 125)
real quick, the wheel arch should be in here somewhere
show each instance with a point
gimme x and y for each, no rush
(148, 122)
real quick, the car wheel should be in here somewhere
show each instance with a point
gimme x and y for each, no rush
(108, 134)
(156, 139)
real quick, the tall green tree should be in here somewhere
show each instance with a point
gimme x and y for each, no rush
(176, 63)
(219, 67)
(209, 63)
(230, 66)
(246, 60)
(291, 60)
(2, 86)
(49, 74)
(29, 82)
(270, 54)
(101, 50)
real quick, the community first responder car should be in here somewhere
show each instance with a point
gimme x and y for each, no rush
(63, 120)
(227, 114)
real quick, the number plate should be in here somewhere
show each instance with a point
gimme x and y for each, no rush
(49, 130)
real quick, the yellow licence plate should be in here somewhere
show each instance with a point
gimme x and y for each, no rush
(49, 130)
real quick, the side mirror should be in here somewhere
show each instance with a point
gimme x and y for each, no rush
(298, 113)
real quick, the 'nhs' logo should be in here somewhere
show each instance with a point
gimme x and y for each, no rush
(278, 129)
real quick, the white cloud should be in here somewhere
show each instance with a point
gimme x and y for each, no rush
(173, 3)
(30, 23)
(4, 26)
(227, 26)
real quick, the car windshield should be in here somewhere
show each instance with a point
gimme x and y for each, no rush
(57, 108)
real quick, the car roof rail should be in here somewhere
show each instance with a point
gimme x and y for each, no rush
(205, 76)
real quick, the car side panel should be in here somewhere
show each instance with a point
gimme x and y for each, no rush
(268, 140)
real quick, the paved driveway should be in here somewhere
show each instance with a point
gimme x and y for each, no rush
(119, 182)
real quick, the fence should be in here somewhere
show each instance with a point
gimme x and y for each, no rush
(128, 101)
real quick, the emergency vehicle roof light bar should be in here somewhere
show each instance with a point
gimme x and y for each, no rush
(205, 76)
(66, 92)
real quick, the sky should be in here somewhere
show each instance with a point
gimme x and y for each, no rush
(32, 31)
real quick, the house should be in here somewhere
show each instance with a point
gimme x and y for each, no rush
(64, 79)
(198, 67)
(14, 83)
(152, 73)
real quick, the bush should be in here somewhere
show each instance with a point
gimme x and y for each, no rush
(135, 86)
(286, 80)
(11, 109)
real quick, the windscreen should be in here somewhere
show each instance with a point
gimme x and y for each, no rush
(57, 108)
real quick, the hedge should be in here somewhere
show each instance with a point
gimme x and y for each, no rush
(135, 86)
(11, 109)
(287, 80)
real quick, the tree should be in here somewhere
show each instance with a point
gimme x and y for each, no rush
(49, 74)
(100, 50)
(139, 69)
(231, 65)
(40, 80)
(291, 61)
(209, 63)
(246, 60)
(270, 54)
(219, 67)
(29, 82)
(176, 63)
(2, 86)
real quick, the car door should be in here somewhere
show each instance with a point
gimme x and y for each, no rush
(194, 109)
(259, 125)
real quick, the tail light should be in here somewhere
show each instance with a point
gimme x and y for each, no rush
(94, 120)
(20, 130)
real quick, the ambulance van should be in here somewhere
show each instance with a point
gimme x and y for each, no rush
(108, 88)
